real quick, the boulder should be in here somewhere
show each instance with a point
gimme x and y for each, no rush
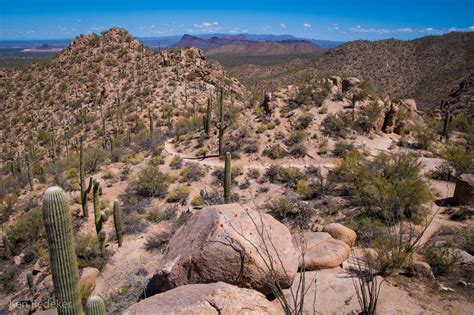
(421, 269)
(341, 232)
(464, 191)
(337, 81)
(322, 251)
(205, 299)
(223, 243)
(349, 83)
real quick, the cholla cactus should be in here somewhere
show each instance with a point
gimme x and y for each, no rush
(95, 306)
(58, 226)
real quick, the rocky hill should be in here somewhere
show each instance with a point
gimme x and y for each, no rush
(105, 77)
(213, 42)
(286, 47)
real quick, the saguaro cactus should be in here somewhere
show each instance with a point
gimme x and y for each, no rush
(227, 178)
(82, 177)
(221, 125)
(118, 221)
(58, 224)
(30, 282)
(447, 114)
(30, 172)
(150, 117)
(95, 306)
(207, 119)
(99, 216)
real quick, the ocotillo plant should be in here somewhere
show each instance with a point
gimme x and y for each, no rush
(82, 177)
(221, 125)
(58, 226)
(99, 216)
(30, 282)
(95, 306)
(227, 178)
(118, 221)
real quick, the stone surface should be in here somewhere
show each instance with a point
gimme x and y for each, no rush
(421, 269)
(341, 232)
(205, 299)
(221, 243)
(322, 251)
(348, 83)
(88, 279)
(464, 191)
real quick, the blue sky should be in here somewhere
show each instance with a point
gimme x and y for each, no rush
(331, 20)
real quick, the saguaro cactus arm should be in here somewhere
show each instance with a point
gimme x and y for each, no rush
(227, 178)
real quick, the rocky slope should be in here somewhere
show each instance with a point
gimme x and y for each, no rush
(111, 76)
(213, 42)
(288, 47)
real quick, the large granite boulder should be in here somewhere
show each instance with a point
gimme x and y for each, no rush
(341, 232)
(224, 243)
(205, 299)
(321, 251)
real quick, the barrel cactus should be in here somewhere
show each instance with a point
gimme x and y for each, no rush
(118, 222)
(95, 306)
(58, 225)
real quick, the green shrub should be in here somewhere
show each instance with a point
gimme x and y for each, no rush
(289, 208)
(341, 148)
(460, 159)
(304, 121)
(338, 125)
(152, 182)
(442, 260)
(423, 135)
(389, 186)
(180, 194)
(192, 172)
(368, 116)
(155, 215)
(89, 253)
(304, 189)
(277, 174)
(298, 150)
(253, 173)
(197, 201)
(274, 152)
(295, 137)
(93, 158)
(176, 163)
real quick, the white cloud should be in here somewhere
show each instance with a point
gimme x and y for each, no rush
(283, 25)
(207, 26)
(307, 25)
(237, 30)
(425, 30)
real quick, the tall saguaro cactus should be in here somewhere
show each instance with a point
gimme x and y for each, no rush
(207, 119)
(150, 117)
(58, 224)
(447, 114)
(95, 306)
(82, 178)
(227, 178)
(118, 221)
(221, 125)
(99, 216)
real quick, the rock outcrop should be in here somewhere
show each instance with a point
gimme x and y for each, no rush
(223, 243)
(464, 191)
(214, 298)
(322, 251)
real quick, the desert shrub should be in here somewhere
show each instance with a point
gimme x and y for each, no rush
(444, 171)
(295, 137)
(155, 215)
(180, 195)
(261, 128)
(28, 229)
(274, 152)
(298, 150)
(304, 121)
(157, 241)
(197, 201)
(129, 293)
(462, 214)
(253, 173)
(341, 147)
(251, 147)
(108, 174)
(290, 208)
(308, 94)
(338, 125)
(389, 186)
(133, 223)
(280, 175)
(152, 183)
(459, 159)
(192, 172)
(93, 158)
(216, 197)
(234, 172)
(368, 116)
(7, 277)
(465, 237)
(323, 146)
(304, 189)
(88, 252)
(443, 260)
(423, 135)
